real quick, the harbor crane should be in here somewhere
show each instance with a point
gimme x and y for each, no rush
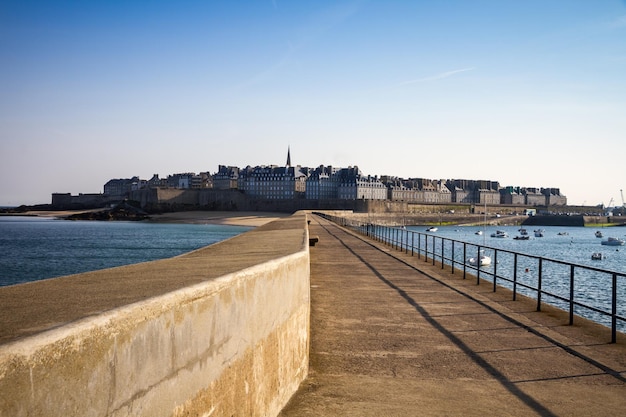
(622, 194)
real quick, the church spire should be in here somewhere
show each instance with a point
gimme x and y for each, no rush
(288, 157)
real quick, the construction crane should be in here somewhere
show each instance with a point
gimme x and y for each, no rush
(622, 194)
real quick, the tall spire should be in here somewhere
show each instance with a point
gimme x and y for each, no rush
(288, 157)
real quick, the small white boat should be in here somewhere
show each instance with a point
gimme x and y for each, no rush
(432, 229)
(597, 256)
(598, 234)
(539, 232)
(479, 232)
(523, 231)
(522, 237)
(483, 260)
(500, 234)
(562, 233)
(613, 241)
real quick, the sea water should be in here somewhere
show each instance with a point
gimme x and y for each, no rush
(35, 248)
(569, 244)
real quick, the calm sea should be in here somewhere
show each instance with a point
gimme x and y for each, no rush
(35, 248)
(569, 244)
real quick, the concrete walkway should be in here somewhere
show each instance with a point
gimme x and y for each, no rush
(393, 335)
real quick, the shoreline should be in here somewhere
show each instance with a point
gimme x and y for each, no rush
(231, 218)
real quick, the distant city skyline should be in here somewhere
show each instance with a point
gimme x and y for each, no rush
(527, 93)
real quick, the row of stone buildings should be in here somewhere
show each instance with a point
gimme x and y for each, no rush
(332, 183)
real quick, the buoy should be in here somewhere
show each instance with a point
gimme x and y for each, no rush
(526, 269)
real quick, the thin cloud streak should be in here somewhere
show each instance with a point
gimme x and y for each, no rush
(319, 24)
(618, 23)
(439, 76)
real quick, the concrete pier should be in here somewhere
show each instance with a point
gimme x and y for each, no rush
(393, 335)
(238, 329)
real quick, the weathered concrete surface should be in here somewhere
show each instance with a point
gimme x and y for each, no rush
(401, 337)
(220, 331)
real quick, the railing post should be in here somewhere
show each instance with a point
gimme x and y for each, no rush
(434, 249)
(539, 287)
(426, 248)
(395, 238)
(453, 257)
(571, 294)
(614, 310)
(396, 232)
(514, 276)
(419, 246)
(412, 243)
(478, 266)
(406, 244)
(443, 246)
(495, 268)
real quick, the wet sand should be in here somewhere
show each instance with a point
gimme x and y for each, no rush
(233, 218)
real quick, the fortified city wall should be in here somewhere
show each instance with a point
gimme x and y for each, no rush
(220, 331)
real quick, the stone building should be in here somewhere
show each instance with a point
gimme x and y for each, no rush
(226, 178)
(273, 182)
(512, 196)
(122, 186)
(534, 197)
(417, 190)
(322, 183)
(355, 186)
(554, 197)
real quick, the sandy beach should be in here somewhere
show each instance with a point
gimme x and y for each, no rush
(233, 218)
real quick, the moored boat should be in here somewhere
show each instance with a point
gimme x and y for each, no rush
(500, 234)
(482, 260)
(598, 234)
(597, 256)
(432, 229)
(613, 241)
(539, 232)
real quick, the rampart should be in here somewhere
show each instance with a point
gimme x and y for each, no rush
(220, 331)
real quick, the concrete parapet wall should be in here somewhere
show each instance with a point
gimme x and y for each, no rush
(236, 344)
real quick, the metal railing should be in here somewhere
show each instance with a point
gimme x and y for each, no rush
(537, 277)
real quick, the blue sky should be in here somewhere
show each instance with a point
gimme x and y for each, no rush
(528, 93)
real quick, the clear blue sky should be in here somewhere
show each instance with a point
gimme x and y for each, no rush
(529, 93)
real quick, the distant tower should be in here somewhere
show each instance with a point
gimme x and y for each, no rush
(288, 157)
